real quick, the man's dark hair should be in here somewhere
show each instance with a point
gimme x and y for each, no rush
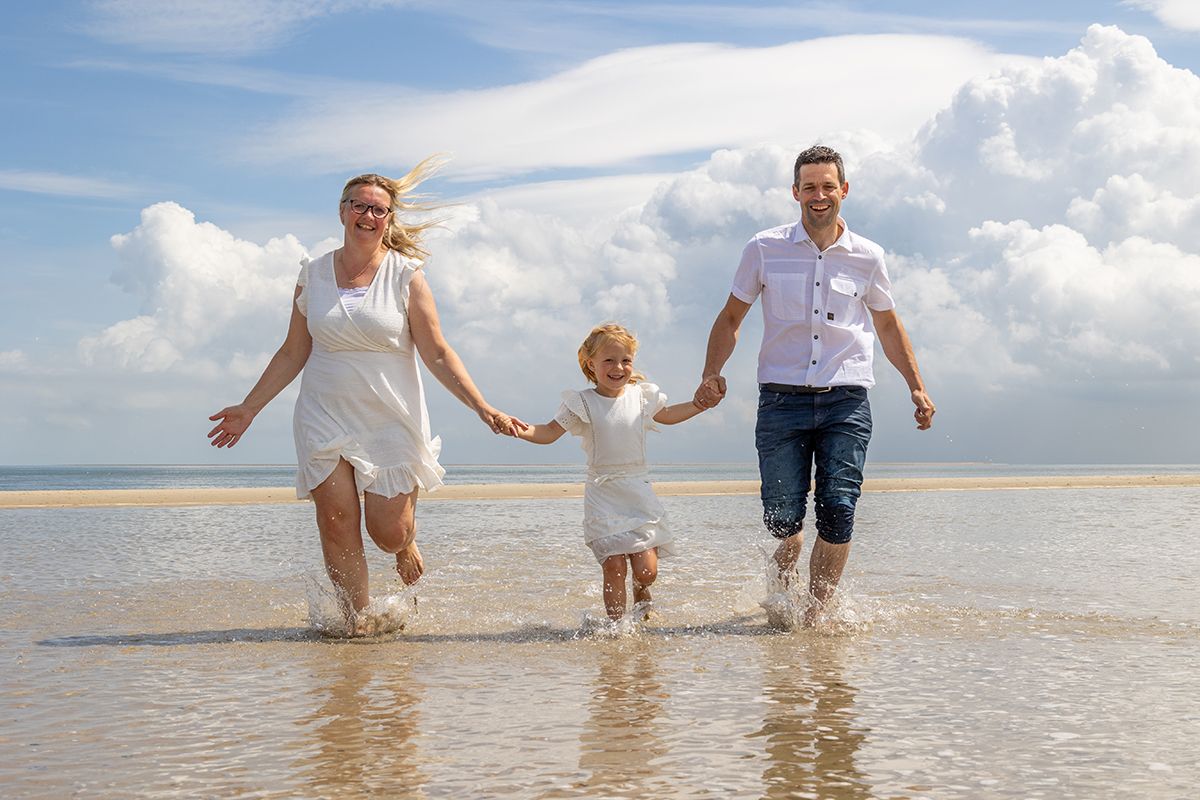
(819, 154)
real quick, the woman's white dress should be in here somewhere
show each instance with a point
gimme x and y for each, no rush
(621, 513)
(361, 397)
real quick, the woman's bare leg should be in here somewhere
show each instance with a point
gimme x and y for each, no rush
(391, 524)
(339, 521)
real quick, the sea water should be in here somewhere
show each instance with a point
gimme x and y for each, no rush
(1007, 643)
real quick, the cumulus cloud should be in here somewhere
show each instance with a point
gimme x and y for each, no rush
(204, 294)
(1041, 236)
(688, 98)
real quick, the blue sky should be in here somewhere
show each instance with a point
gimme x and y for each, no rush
(1030, 169)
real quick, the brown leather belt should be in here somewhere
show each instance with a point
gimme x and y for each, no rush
(787, 388)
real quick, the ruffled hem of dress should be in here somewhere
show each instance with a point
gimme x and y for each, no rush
(388, 482)
(601, 527)
(619, 544)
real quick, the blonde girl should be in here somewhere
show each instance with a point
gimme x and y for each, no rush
(624, 523)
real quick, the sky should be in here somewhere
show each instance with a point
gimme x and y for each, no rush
(1032, 170)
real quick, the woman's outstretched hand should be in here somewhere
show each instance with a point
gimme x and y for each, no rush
(234, 420)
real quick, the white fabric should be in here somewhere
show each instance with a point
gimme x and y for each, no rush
(621, 513)
(817, 329)
(361, 397)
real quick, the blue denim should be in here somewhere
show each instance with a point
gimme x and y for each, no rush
(830, 430)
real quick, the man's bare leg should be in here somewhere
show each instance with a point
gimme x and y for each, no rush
(786, 556)
(825, 567)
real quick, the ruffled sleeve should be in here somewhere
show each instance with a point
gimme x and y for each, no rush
(654, 401)
(573, 413)
(302, 282)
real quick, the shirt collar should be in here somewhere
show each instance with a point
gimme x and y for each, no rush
(801, 235)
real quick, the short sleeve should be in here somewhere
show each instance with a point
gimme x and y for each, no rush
(748, 280)
(655, 401)
(572, 414)
(879, 290)
(302, 282)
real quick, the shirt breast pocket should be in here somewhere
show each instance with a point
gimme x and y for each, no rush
(785, 296)
(844, 303)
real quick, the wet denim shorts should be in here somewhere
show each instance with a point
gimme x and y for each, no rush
(830, 430)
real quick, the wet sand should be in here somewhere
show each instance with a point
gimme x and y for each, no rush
(546, 491)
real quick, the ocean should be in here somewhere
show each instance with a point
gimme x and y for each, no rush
(986, 644)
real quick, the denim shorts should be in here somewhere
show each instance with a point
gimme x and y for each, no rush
(797, 431)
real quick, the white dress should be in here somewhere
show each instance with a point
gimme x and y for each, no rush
(621, 513)
(361, 397)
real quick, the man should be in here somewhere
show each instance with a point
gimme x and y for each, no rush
(826, 296)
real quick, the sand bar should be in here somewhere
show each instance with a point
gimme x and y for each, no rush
(93, 498)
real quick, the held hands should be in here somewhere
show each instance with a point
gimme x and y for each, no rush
(925, 410)
(710, 392)
(500, 422)
(234, 422)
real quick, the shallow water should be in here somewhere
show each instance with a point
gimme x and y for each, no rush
(988, 644)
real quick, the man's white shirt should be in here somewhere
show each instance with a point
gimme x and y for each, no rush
(817, 328)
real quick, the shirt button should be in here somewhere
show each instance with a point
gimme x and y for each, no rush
(814, 363)
(815, 336)
(819, 258)
(816, 311)
(818, 283)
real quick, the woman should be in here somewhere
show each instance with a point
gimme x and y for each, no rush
(360, 422)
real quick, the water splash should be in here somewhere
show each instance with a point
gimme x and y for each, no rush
(385, 614)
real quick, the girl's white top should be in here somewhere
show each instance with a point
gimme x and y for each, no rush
(361, 397)
(621, 513)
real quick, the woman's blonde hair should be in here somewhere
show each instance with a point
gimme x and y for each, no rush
(403, 237)
(601, 335)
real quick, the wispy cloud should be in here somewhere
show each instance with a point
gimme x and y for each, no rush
(640, 103)
(54, 183)
(215, 27)
(1181, 14)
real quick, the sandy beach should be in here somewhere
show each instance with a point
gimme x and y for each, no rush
(543, 491)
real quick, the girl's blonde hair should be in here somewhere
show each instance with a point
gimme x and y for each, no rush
(601, 335)
(403, 237)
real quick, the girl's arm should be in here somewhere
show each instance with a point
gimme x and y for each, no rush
(541, 434)
(673, 415)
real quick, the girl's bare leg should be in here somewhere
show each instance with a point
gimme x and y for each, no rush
(645, 571)
(339, 520)
(391, 524)
(614, 586)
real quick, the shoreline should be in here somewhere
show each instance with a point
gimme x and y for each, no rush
(109, 498)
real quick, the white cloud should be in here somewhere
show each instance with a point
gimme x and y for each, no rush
(224, 27)
(1181, 14)
(1131, 205)
(642, 102)
(204, 294)
(55, 183)
(1042, 245)
(13, 361)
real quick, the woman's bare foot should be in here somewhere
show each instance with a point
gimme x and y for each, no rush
(409, 564)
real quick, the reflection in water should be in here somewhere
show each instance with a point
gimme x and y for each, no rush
(620, 742)
(811, 732)
(363, 722)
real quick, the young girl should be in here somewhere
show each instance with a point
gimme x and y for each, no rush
(623, 522)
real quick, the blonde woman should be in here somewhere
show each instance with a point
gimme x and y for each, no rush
(361, 314)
